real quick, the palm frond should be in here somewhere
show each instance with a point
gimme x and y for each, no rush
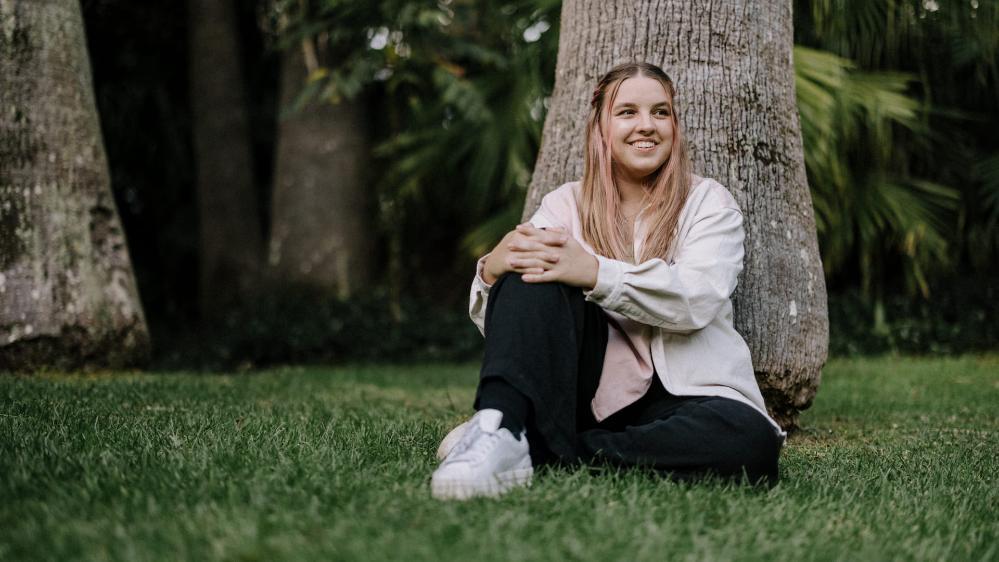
(866, 208)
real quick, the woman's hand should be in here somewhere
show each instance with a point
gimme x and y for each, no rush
(571, 265)
(523, 252)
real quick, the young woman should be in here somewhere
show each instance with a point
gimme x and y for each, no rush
(608, 317)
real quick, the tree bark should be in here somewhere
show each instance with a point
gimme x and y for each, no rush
(731, 63)
(231, 237)
(321, 230)
(68, 297)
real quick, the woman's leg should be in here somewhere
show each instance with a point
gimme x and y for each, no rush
(544, 344)
(689, 437)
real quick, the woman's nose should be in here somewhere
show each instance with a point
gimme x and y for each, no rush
(645, 122)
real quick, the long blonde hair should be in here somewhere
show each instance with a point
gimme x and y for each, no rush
(666, 189)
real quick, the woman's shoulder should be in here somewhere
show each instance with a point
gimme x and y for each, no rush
(568, 191)
(563, 198)
(708, 192)
(558, 206)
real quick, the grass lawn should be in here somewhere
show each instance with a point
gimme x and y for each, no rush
(899, 460)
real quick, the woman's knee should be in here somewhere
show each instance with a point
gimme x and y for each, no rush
(512, 286)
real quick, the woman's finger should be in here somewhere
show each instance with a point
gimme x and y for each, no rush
(530, 263)
(527, 230)
(524, 263)
(549, 257)
(536, 244)
(529, 271)
(543, 277)
(554, 236)
(525, 245)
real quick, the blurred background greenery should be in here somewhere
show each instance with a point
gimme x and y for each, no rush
(899, 102)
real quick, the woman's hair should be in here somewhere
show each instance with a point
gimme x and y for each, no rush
(666, 189)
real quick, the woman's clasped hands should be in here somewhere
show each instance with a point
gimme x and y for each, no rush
(542, 256)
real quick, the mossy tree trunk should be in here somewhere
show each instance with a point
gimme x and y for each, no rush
(321, 227)
(731, 62)
(68, 297)
(231, 235)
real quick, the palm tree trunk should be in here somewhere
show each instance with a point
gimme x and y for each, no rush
(68, 296)
(321, 228)
(731, 61)
(231, 237)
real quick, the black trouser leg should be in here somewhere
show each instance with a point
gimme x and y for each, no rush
(546, 341)
(688, 437)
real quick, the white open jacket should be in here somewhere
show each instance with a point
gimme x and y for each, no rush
(695, 348)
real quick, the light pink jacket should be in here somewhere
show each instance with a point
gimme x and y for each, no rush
(686, 301)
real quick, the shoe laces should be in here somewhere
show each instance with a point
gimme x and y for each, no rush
(474, 445)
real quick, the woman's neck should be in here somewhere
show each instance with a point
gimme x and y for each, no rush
(631, 192)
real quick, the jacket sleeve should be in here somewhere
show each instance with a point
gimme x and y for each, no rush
(547, 216)
(479, 297)
(687, 293)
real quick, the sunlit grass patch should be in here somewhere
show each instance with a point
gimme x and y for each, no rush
(897, 459)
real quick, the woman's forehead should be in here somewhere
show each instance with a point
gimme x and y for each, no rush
(641, 90)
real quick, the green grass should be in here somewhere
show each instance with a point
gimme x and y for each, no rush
(899, 460)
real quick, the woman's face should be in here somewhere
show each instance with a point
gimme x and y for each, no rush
(641, 128)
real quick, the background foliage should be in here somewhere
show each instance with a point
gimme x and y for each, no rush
(462, 88)
(897, 101)
(901, 153)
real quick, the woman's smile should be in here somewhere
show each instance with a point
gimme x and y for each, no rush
(641, 127)
(644, 146)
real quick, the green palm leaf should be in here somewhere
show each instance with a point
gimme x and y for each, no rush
(866, 209)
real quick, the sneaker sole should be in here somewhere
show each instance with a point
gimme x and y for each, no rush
(467, 489)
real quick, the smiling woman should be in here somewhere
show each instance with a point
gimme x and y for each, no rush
(608, 317)
(641, 133)
(620, 168)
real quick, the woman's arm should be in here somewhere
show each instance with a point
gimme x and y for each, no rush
(571, 265)
(523, 250)
(505, 257)
(552, 222)
(686, 294)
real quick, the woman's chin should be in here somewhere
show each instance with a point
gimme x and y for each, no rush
(640, 170)
(644, 172)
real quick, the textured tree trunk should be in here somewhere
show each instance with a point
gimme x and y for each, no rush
(231, 237)
(321, 229)
(68, 297)
(731, 62)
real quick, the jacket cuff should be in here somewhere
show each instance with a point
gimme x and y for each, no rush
(609, 282)
(480, 281)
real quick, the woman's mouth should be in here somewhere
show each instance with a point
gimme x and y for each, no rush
(644, 146)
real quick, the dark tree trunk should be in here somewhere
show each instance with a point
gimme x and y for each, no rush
(321, 228)
(731, 62)
(231, 237)
(68, 297)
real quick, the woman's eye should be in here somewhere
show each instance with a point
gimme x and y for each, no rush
(663, 112)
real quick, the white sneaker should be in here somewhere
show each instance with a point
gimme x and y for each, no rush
(487, 461)
(451, 439)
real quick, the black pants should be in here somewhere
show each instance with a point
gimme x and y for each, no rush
(546, 341)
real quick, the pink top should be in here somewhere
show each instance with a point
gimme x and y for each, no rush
(627, 371)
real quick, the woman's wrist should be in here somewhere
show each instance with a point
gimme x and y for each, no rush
(488, 277)
(594, 272)
(487, 274)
